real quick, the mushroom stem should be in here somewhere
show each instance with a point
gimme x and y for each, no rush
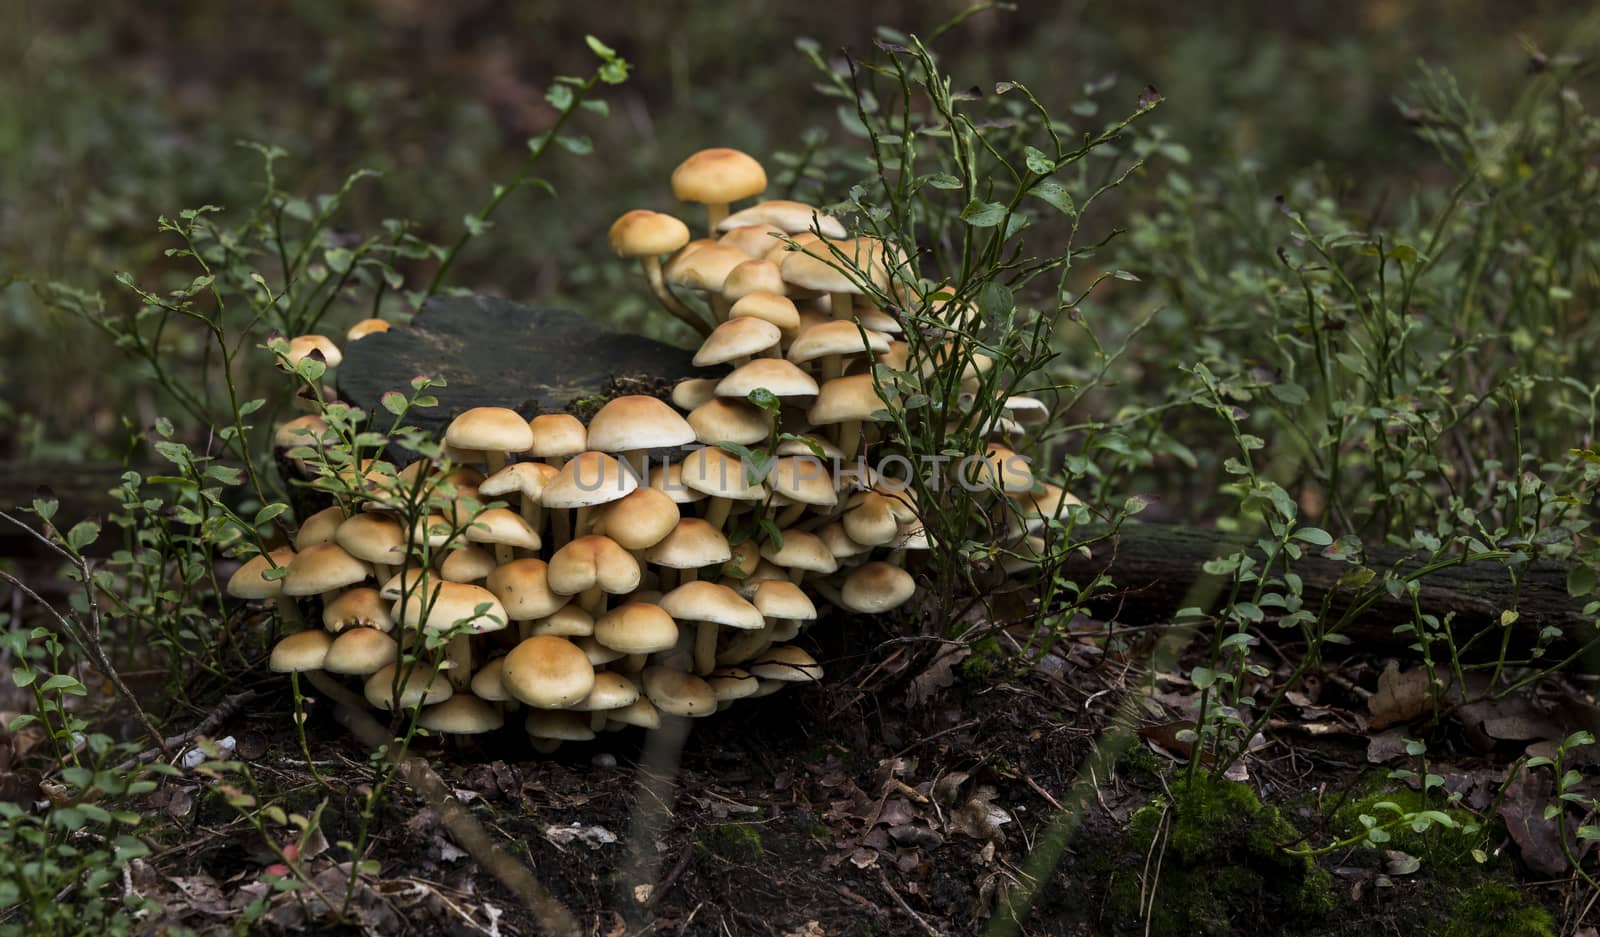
(459, 654)
(633, 663)
(493, 460)
(705, 647)
(560, 529)
(593, 601)
(502, 553)
(533, 513)
(850, 438)
(597, 720)
(664, 295)
(840, 305)
(334, 690)
(714, 216)
(832, 367)
(289, 612)
(717, 513)
(789, 515)
(584, 521)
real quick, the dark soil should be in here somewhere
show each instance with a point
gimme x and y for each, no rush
(814, 812)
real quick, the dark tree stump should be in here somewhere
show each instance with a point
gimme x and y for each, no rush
(493, 352)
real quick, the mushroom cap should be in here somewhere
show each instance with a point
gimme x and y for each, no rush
(644, 233)
(498, 429)
(523, 588)
(840, 543)
(301, 651)
(801, 550)
(835, 337)
(788, 216)
(247, 581)
(357, 608)
(374, 538)
(717, 176)
(636, 628)
(677, 693)
(568, 621)
(434, 530)
(768, 305)
(320, 527)
(898, 357)
(1002, 470)
(709, 601)
(302, 346)
(556, 436)
(461, 714)
(787, 663)
(558, 725)
(803, 478)
(877, 587)
(703, 265)
(547, 672)
(742, 561)
(410, 578)
(817, 446)
(720, 474)
(599, 655)
(611, 691)
(731, 683)
(776, 598)
(453, 602)
(466, 563)
(588, 479)
(486, 682)
(636, 421)
(878, 321)
(361, 651)
(421, 687)
(525, 479)
(782, 378)
(301, 431)
(668, 479)
(691, 393)
(853, 397)
(641, 712)
(754, 241)
(640, 520)
(505, 526)
(753, 276)
(322, 568)
(870, 519)
(817, 267)
(692, 543)
(783, 249)
(366, 327)
(590, 561)
(1037, 508)
(735, 338)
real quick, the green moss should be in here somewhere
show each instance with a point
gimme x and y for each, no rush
(735, 842)
(1496, 910)
(1446, 851)
(1222, 865)
(584, 408)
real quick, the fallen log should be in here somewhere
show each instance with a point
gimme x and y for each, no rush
(1159, 569)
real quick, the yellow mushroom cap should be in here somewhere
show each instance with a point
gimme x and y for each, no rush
(644, 233)
(717, 176)
(547, 672)
(301, 651)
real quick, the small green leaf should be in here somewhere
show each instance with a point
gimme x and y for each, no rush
(1056, 196)
(82, 534)
(983, 214)
(605, 52)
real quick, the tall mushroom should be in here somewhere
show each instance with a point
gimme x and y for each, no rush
(715, 178)
(647, 235)
(631, 425)
(709, 605)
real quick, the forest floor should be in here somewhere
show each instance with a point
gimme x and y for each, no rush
(890, 802)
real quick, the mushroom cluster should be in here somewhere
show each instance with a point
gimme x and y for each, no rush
(652, 561)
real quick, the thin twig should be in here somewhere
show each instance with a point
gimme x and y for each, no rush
(927, 928)
(222, 713)
(463, 827)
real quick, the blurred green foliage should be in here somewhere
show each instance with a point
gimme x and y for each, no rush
(114, 113)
